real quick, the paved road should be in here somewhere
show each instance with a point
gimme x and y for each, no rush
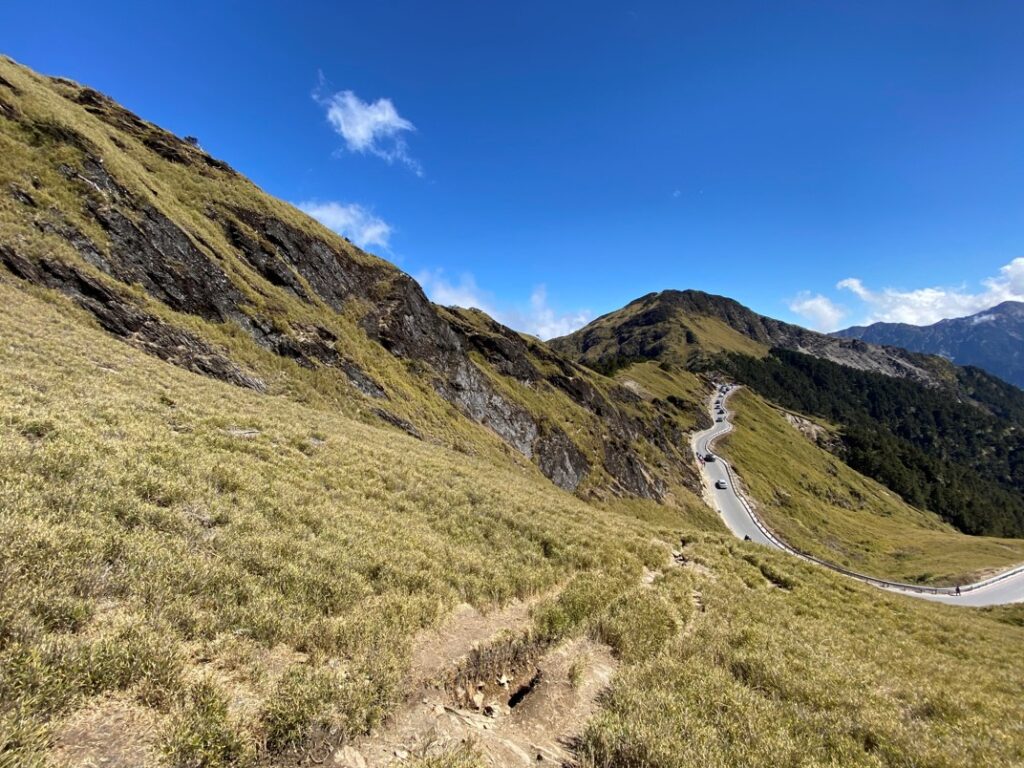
(1007, 587)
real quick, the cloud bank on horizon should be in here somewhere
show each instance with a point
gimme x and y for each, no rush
(536, 316)
(920, 306)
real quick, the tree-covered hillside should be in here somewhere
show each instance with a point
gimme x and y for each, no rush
(964, 461)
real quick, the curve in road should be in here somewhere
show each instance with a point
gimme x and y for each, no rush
(1005, 587)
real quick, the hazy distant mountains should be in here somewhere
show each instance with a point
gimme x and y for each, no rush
(993, 339)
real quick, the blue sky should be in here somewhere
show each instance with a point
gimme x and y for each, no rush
(822, 162)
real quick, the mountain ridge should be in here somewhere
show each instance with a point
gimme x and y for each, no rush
(992, 339)
(659, 306)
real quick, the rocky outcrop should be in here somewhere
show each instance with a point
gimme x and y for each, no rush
(285, 283)
(397, 421)
(121, 318)
(630, 473)
(560, 459)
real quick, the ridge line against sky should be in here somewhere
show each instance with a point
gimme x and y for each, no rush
(827, 165)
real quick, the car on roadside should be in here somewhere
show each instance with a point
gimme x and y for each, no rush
(709, 457)
(721, 485)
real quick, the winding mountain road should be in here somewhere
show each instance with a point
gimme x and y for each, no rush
(1005, 587)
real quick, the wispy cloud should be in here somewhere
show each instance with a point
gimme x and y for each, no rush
(924, 306)
(822, 312)
(544, 321)
(536, 316)
(368, 127)
(351, 220)
(461, 292)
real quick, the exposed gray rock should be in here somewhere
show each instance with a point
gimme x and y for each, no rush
(560, 459)
(271, 266)
(629, 471)
(22, 196)
(398, 421)
(332, 273)
(359, 379)
(118, 316)
(157, 254)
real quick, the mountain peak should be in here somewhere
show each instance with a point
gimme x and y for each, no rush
(687, 326)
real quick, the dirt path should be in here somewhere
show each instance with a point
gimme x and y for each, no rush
(533, 719)
(480, 679)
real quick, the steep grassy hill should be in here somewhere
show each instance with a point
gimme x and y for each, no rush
(193, 573)
(173, 251)
(246, 469)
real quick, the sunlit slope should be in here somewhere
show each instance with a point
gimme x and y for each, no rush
(158, 527)
(240, 572)
(652, 330)
(818, 504)
(178, 254)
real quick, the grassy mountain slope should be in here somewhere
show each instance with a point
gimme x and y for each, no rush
(174, 252)
(245, 572)
(667, 326)
(818, 504)
(945, 438)
(243, 464)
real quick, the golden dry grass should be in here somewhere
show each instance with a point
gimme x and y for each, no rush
(251, 570)
(818, 504)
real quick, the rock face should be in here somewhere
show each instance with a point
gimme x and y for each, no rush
(992, 340)
(151, 235)
(121, 318)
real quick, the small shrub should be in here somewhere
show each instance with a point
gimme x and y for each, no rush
(637, 625)
(201, 734)
(301, 702)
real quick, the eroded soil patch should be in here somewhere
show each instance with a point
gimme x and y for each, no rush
(108, 732)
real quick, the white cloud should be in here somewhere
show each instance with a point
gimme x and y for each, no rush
(351, 220)
(821, 311)
(369, 127)
(462, 293)
(924, 306)
(537, 317)
(545, 322)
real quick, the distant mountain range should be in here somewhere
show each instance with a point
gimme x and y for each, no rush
(993, 339)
